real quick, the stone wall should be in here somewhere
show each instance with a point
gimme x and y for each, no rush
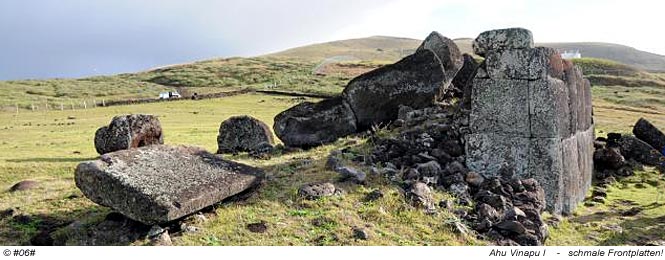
(531, 117)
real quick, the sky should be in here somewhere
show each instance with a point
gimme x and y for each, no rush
(77, 38)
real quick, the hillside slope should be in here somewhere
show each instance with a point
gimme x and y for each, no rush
(392, 48)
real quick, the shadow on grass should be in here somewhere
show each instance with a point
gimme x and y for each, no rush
(55, 159)
(640, 231)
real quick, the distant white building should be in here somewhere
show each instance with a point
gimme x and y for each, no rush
(571, 54)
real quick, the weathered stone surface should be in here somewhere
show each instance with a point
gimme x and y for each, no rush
(310, 124)
(242, 134)
(492, 154)
(502, 39)
(447, 51)
(648, 133)
(546, 166)
(417, 81)
(317, 190)
(24, 185)
(160, 183)
(640, 151)
(500, 106)
(463, 81)
(527, 64)
(548, 108)
(129, 131)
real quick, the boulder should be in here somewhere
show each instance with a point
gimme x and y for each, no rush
(158, 184)
(311, 124)
(24, 185)
(416, 81)
(317, 190)
(464, 78)
(648, 133)
(129, 131)
(447, 51)
(640, 151)
(502, 39)
(243, 134)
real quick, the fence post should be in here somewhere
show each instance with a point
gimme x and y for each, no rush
(32, 106)
(103, 103)
(85, 106)
(72, 103)
(62, 107)
(94, 103)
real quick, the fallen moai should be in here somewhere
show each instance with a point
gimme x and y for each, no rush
(531, 117)
(128, 131)
(160, 183)
(374, 98)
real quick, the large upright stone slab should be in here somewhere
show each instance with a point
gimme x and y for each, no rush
(159, 183)
(529, 102)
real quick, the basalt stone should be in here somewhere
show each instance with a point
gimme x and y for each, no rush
(648, 133)
(464, 78)
(159, 183)
(502, 39)
(311, 124)
(491, 154)
(640, 151)
(527, 64)
(549, 108)
(417, 80)
(500, 106)
(129, 131)
(243, 134)
(447, 51)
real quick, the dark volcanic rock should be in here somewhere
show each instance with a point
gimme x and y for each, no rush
(129, 131)
(310, 124)
(416, 81)
(160, 183)
(447, 51)
(420, 196)
(608, 158)
(648, 133)
(640, 151)
(243, 134)
(259, 227)
(464, 78)
(23, 185)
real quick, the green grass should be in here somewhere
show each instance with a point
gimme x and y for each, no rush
(35, 147)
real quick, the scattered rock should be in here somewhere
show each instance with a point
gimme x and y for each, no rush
(243, 134)
(420, 196)
(317, 190)
(43, 238)
(485, 211)
(323, 221)
(259, 227)
(165, 182)
(7, 213)
(374, 195)
(608, 158)
(163, 239)
(263, 150)
(24, 185)
(311, 124)
(360, 233)
(352, 174)
(511, 226)
(129, 131)
(429, 169)
(514, 213)
(474, 179)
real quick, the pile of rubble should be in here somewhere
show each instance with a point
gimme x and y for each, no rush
(619, 155)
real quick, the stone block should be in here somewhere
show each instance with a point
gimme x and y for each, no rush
(549, 108)
(500, 106)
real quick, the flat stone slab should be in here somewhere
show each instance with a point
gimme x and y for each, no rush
(160, 183)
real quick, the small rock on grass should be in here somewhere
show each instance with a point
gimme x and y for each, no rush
(360, 233)
(23, 185)
(258, 227)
